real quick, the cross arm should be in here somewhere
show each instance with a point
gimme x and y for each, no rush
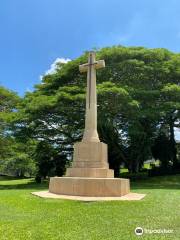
(83, 67)
(100, 64)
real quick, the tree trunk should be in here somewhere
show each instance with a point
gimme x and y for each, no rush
(133, 166)
(117, 171)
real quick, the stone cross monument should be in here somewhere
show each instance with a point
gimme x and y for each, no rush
(90, 132)
(90, 175)
(90, 155)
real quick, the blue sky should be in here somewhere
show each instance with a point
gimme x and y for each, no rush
(33, 33)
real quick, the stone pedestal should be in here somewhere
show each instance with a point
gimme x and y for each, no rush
(90, 155)
(89, 187)
(90, 175)
(90, 160)
(90, 172)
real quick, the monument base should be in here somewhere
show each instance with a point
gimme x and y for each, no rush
(89, 187)
(90, 172)
(128, 197)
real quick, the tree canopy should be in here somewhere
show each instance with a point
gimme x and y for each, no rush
(138, 101)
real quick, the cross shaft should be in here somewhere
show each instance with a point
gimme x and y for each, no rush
(90, 133)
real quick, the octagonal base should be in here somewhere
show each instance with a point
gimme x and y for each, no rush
(90, 187)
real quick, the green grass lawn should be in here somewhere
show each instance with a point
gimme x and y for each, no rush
(24, 216)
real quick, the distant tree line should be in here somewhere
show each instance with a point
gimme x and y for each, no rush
(138, 111)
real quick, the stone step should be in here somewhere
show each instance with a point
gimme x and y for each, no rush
(90, 172)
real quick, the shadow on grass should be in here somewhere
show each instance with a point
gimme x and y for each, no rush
(22, 186)
(160, 182)
(143, 181)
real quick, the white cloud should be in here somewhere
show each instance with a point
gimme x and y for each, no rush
(40, 77)
(53, 66)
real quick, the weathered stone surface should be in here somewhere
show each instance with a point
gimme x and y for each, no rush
(92, 187)
(127, 197)
(90, 172)
(90, 131)
(90, 155)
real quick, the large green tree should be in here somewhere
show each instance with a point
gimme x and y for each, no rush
(15, 156)
(8, 103)
(138, 93)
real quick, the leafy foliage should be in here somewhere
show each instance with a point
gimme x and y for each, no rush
(138, 100)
